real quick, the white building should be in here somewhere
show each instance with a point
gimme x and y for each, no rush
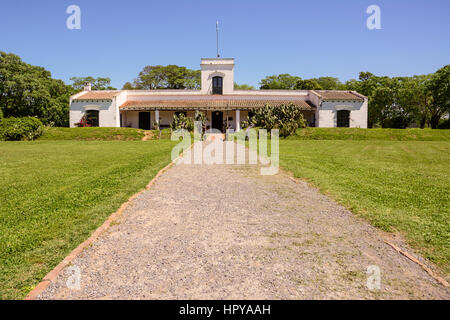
(224, 106)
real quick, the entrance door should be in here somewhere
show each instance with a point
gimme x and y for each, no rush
(217, 120)
(343, 118)
(144, 120)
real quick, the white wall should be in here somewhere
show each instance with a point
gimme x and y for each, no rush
(327, 113)
(217, 67)
(108, 112)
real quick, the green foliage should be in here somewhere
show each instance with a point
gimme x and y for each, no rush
(201, 117)
(444, 124)
(56, 193)
(330, 83)
(92, 133)
(128, 86)
(282, 81)
(310, 84)
(439, 89)
(243, 87)
(394, 102)
(399, 186)
(18, 129)
(96, 83)
(166, 77)
(27, 90)
(286, 118)
(181, 121)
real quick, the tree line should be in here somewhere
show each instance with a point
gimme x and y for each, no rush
(397, 102)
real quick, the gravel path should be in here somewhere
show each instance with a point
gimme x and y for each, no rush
(226, 232)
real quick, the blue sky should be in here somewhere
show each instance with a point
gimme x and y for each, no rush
(305, 38)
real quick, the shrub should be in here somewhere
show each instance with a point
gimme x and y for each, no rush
(83, 122)
(444, 124)
(17, 129)
(286, 118)
(181, 121)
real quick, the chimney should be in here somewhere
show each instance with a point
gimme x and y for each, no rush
(87, 86)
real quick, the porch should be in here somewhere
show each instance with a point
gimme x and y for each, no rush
(215, 119)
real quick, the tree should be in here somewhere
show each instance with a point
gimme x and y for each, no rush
(279, 82)
(413, 96)
(167, 77)
(27, 90)
(128, 86)
(243, 87)
(438, 87)
(96, 83)
(330, 83)
(309, 84)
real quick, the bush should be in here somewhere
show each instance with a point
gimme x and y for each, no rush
(17, 129)
(180, 121)
(286, 118)
(444, 124)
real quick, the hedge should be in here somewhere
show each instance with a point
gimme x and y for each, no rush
(17, 129)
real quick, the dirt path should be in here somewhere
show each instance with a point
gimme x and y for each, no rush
(226, 232)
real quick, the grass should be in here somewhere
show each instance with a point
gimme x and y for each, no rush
(371, 134)
(102, 134)
(58, 133)
(400, 186)
(54, 194)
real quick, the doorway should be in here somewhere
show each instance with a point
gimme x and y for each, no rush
(217, 120)
(343, 119)
(144, 120)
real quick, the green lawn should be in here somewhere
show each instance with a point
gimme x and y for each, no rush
(371, 134)
(92, 133)
(54, 194)
(399, 186)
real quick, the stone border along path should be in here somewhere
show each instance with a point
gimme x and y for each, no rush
(226, 232)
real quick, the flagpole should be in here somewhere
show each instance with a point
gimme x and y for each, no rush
(217, 38)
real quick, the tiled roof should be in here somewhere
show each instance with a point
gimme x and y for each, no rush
(338, 95)
(214, 102)
(98, 95)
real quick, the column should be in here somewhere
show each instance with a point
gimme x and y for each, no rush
(157, 117)
(238, 120)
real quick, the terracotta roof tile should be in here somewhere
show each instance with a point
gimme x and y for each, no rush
(338, 95)
(214, 102)
(98, 95)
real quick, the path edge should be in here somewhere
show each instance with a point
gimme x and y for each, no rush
(53, 274)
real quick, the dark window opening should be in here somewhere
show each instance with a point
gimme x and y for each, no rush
(177, 113)
(144, 120)
(92, 118)
(217, 85)
(343, 118)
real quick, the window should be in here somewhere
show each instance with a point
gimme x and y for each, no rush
(217, 85)
(92, 118)
(343, 118)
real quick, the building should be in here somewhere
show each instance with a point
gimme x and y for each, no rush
(223, 106)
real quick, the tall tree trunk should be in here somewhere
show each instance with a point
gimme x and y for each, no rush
(434, 120)
(423, 120)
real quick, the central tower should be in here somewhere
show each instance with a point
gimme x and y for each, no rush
(217, 75)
